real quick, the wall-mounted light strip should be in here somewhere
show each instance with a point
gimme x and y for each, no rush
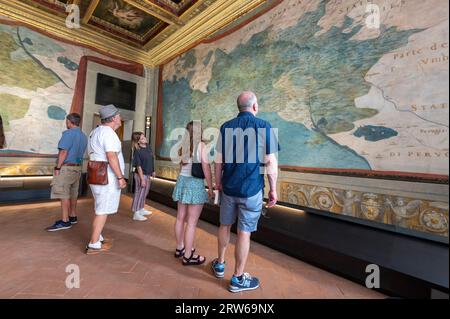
(283, 207)
(165, 181)
(15, 178)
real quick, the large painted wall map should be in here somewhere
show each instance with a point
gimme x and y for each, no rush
(37, 82)
(343, 95)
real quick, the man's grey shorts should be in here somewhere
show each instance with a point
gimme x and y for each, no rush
(246, 210)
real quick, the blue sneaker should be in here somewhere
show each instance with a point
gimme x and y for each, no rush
(73, 220)
(247, 283)
(218, 268)
(59, 225)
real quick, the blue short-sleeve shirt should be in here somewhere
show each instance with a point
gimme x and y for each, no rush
(243, 143)
(74, 141)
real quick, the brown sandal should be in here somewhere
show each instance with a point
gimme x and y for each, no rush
(93, 251)
(107, 240)
(194, 260)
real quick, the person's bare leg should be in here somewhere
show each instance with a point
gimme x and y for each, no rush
(97, 228)
(194, 212)
(179, 225)
(73, 207)
(241, 253)
(223, 241)
(65, 207)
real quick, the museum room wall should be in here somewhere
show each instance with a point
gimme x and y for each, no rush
(362, 112)
(42, 79)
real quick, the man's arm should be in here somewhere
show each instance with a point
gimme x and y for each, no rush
(114, 163)
(206, 166)
(64, 144)
(218, 168)
(62, 155)
(272, 176)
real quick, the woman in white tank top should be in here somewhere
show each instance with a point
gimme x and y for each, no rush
(186, 169)
(191, 195)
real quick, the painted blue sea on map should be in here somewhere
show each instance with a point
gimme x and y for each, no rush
(328, 69)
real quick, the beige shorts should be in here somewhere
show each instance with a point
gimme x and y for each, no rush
(66, 184)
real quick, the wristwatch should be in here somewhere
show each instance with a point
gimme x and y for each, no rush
(119, 178)
(57, 168)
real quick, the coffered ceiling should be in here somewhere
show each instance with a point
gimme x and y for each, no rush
(145, 31)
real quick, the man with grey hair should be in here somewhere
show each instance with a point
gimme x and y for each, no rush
(240, 177)
(67, 172)
(246, 100)
(105, 146)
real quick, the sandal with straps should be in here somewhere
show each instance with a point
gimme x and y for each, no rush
(194, 260)
(180, 252)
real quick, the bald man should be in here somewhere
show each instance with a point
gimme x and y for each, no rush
(246, 150)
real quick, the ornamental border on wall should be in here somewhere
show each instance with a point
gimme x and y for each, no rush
(410, 213)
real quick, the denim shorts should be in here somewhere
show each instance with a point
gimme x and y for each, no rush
(246, 210)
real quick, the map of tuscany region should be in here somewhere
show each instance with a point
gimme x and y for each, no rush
(343, 95)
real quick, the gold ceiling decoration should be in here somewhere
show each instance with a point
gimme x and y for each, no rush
(146, 31)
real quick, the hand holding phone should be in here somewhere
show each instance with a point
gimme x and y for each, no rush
(217, 197)
(214, 197)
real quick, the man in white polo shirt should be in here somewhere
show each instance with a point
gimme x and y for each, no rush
(104, 145)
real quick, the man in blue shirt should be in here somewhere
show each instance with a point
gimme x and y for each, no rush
(67, 173)
(246, 150)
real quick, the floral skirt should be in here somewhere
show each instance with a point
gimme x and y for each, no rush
(190, 191)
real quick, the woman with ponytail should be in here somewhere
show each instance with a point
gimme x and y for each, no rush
(190, 194)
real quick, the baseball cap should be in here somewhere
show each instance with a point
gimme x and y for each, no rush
(108, 111)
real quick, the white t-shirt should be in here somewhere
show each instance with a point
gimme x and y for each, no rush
(103, 139)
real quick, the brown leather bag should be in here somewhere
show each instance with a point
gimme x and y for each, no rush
(97, 173)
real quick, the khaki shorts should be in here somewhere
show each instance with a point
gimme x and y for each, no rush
(66, 184)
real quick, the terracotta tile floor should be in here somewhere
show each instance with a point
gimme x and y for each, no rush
(141, 264)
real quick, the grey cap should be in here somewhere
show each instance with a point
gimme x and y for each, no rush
(108, 111)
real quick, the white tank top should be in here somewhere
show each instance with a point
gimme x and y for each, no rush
(186, 170)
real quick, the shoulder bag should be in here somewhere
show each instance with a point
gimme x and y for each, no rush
(197, 168)
(97, 173)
